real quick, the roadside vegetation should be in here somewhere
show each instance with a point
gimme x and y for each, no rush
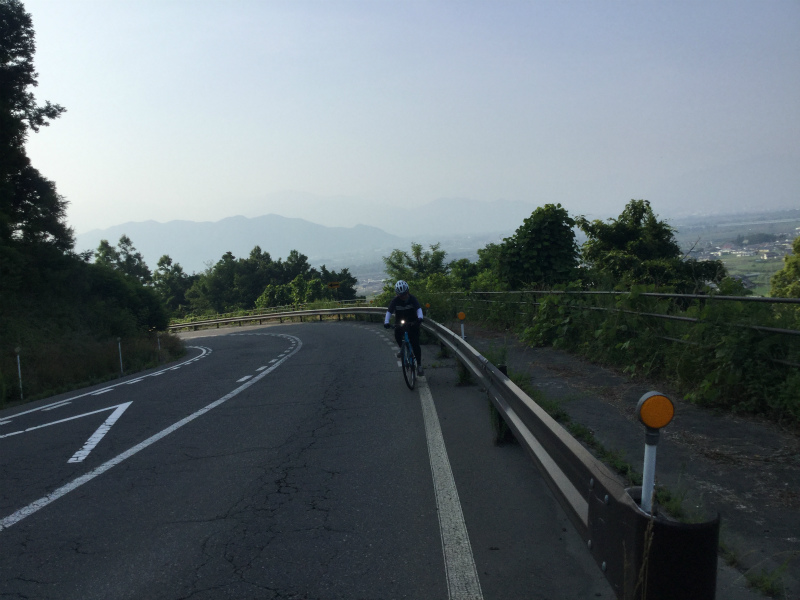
(626, 298)
(60, 316)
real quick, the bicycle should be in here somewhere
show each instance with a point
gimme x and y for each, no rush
(409, 361)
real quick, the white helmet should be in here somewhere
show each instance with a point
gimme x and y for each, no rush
(401, 287)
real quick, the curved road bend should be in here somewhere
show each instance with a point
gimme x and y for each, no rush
(287, 461)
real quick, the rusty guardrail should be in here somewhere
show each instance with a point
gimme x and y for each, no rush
(642, 556)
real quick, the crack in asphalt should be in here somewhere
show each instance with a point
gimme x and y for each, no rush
(290, 498)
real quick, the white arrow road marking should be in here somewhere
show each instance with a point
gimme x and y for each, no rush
(96, 436)
(81, 454)
(37, 505)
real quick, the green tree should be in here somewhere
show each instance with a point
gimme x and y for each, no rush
(124, 258)
(463, 272)
(31, 211)
(299, 290)
(416, 265)
(274, 295)
(347, 284)
(253, 274)
(106, 255)
(636, 235)
(296, 264)
(786, 282)
(637, 248)
(258, 281)
(171, 283)
(541, 251)
(216, 288)
(131, 262)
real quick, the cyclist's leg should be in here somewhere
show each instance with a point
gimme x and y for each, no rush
(413, 336)
(398, 337)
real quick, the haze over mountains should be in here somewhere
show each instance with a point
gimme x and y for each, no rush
(323, 231)
(344, 232)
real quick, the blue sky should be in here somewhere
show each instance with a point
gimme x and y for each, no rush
(206, 109)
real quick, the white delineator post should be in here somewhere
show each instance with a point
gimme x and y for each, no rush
(461, 316)
(19, 372)
(655, 411)
(119, 343)
(649, 472)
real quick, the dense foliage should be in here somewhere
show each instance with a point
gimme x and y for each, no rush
(60, 313)
(417, 264)
(31, 211)
(637, 248)
(542, 252)
(706, 348)
(786, 282)
(260, 282)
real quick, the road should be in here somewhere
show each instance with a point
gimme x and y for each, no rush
(287, 461)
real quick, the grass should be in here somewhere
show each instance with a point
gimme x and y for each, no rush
(745, 265)
(77, 362)
(769, 583)
(497, 355)
(464, 374)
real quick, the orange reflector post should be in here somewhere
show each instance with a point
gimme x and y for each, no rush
(655, 410)
(462, 315)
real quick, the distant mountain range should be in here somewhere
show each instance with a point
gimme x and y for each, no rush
(462, 226)
(196, 245)
(445, 216)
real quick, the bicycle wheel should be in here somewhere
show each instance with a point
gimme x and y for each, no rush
(409, 367)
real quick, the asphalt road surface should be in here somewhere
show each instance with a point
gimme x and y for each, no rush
(288, 461)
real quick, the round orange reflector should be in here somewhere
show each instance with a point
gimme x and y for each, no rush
(427, 305)
(462, 315)
(655, 410)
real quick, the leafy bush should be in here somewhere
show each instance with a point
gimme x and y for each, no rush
(720, 360)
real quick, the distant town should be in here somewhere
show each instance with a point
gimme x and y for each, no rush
(765, 250)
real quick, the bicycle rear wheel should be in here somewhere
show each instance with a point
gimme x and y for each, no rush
(409, 367)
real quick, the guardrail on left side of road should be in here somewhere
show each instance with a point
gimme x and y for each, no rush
(278, 316)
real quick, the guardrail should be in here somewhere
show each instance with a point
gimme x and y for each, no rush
(260, 318)
(642, 556)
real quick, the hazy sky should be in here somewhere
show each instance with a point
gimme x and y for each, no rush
(203, 109)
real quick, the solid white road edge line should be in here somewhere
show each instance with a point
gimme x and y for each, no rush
(462, 575)
(35, 506)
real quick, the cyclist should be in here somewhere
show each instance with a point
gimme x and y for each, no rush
(406, 307)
